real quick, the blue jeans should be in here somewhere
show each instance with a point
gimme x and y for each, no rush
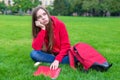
(40, 56)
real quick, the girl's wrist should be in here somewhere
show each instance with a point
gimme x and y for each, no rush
(43, 28)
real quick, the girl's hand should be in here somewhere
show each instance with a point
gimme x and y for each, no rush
(54, 65)
(39, 25)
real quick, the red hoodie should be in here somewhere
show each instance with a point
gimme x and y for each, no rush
(61, 39)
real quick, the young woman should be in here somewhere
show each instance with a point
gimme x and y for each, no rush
(50, 39)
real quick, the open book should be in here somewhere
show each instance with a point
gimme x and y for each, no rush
(45, 70)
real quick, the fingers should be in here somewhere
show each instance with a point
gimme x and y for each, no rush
(37, 23)
(54, 65)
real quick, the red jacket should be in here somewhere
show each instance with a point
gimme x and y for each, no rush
(61, 40)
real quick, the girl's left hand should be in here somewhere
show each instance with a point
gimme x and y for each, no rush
(54, 65)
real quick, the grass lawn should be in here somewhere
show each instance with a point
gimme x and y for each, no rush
(15, 47)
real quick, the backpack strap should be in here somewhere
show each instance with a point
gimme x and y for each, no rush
(71, 58)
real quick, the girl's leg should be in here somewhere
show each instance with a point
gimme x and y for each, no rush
(65, 60)
(40, 56)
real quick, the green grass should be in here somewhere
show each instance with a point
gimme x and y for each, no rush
(15, 47)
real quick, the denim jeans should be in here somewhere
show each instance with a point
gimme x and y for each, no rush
(40, 56)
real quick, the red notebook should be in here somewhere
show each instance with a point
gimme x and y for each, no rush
(45, 70)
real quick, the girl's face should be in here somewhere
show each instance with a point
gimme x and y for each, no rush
(42, 16)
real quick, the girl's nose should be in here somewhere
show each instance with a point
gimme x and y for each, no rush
(43, 17)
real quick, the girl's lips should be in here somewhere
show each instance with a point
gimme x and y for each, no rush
(45, 21)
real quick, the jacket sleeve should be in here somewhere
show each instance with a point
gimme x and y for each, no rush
(64, 42)
(38, 41)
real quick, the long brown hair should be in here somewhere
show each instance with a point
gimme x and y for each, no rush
(49, 28)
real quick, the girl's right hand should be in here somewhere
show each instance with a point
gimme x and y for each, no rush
(39, 25)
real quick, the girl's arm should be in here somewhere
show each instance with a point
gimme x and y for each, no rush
(38, 41)
(64, 42)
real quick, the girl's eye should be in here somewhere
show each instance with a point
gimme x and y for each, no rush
(38, 17)
(44, 14)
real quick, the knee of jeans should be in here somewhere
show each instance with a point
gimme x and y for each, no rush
(33, 54)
